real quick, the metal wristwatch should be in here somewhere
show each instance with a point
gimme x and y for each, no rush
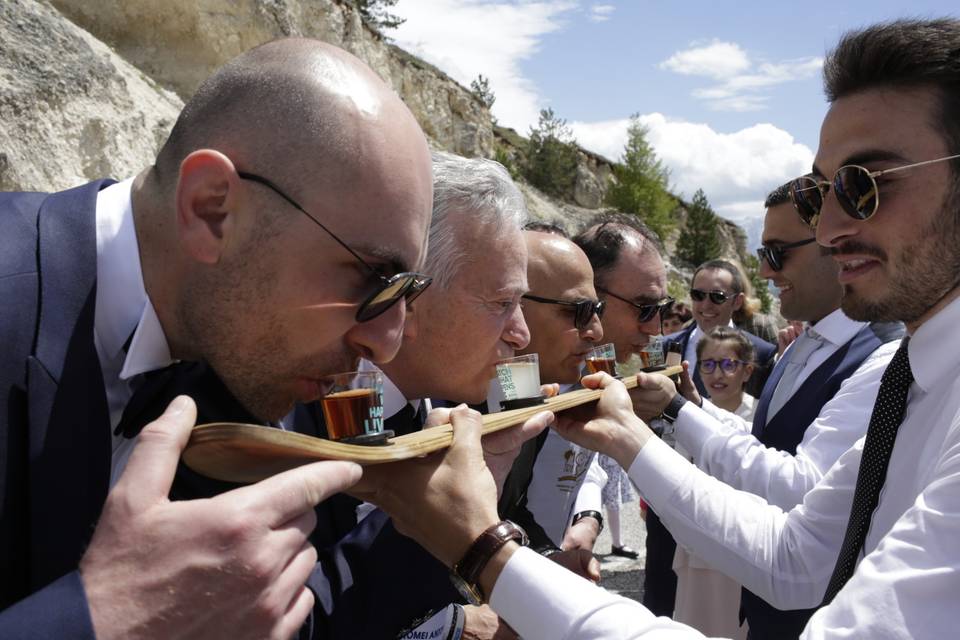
(466, 573)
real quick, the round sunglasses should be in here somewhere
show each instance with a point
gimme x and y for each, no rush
(716, 296)
(727, 365)
(774, 254)
(583, 312)
(854, 186)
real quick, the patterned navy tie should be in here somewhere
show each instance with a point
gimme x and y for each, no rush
(881, 434)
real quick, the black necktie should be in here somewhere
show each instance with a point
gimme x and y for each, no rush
(881, 434)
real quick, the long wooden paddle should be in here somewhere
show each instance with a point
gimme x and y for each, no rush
(249, 453)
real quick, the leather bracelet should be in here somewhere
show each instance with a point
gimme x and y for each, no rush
(485, 547)
(590, 513)
(672, 411)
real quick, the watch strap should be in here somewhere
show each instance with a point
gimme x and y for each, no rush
(589, 513)
(485, 547)
(672, 411)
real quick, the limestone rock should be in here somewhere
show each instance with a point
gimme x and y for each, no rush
(180, 42)
(70, 109)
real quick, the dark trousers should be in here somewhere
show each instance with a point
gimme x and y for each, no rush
(659, 580)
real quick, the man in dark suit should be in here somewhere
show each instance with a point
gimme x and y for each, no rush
(273, 281)
(716, 292)
(815, 405)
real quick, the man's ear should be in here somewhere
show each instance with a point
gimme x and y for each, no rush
(411, 323)
(206, 199)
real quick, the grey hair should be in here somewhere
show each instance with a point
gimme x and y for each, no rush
(468, 188)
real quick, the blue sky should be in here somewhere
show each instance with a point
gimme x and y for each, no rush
(730, 91)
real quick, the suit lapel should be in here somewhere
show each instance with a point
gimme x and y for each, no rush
(69, 423)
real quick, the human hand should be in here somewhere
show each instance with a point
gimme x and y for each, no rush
(500, 449)
(580, 561)
(787, 335)
(582, 535)
(443, 501)
(610, 426)
(550, 390)
(481, 623)
(652, 394)
(687, 388)
(230, 566)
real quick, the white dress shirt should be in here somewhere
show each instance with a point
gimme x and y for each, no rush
(122, 308)
(905, 585)
(721, 443)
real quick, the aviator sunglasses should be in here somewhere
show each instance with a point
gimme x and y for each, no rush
(390, 290)
(646, 311)
(583, 309)
(774, 254)
(854, 186)
(716, 296)
(727, 365)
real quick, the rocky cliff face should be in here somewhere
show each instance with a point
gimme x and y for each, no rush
(91, 89)
(71, 110)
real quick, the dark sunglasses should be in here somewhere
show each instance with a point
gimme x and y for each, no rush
(774, 254)
(716, 296)
(647, 311)
(583, 309)
(726, 365)
(854, 186)
(406, 286)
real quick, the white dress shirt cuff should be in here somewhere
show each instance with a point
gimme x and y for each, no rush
(658, 471)
(695, 425)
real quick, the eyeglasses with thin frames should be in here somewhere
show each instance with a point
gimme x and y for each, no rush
(646, 311)
(726, 365)
(406, 285)
(855, 188)
(584, 310)
(774, 254)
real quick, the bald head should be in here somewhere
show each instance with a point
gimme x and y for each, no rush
(293, 108)
(553, 262)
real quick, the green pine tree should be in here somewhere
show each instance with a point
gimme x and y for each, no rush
(551, 156)
(480, 87)
(642, 182)
(699, 241)
(376, 14)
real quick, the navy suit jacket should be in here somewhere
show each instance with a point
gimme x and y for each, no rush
(55, 445)
(764, 359)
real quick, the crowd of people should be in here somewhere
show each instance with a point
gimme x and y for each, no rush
(295, 224)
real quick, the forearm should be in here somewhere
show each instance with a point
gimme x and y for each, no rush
(784, 558)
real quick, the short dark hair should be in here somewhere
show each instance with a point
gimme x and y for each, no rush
(905, 54)
(744, 348)
(780, 195)
(680, 311)
(724, 265)
(603, 238)
(546, 227)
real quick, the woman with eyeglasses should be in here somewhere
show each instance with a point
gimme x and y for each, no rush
(707, 599)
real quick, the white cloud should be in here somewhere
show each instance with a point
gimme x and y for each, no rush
(601, 12)
(717, 59)
(466, 38)
(735, 170)
(740, 80)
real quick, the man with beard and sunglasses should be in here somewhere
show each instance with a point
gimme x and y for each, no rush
(874, 541)
(277, 254)
(716, 292)
(815, 405)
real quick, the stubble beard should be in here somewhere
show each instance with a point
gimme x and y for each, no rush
(921, 274)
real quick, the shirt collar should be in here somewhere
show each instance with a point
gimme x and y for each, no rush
(123, 307)
(934, 338)
(837, 328)
(393, 398)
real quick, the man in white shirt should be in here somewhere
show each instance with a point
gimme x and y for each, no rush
(274, 281)
(815, 405)
(895, 574)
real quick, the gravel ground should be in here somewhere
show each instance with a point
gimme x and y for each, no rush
(622, 575)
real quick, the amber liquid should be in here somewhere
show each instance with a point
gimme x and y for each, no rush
(607, 365)
(352, 413)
